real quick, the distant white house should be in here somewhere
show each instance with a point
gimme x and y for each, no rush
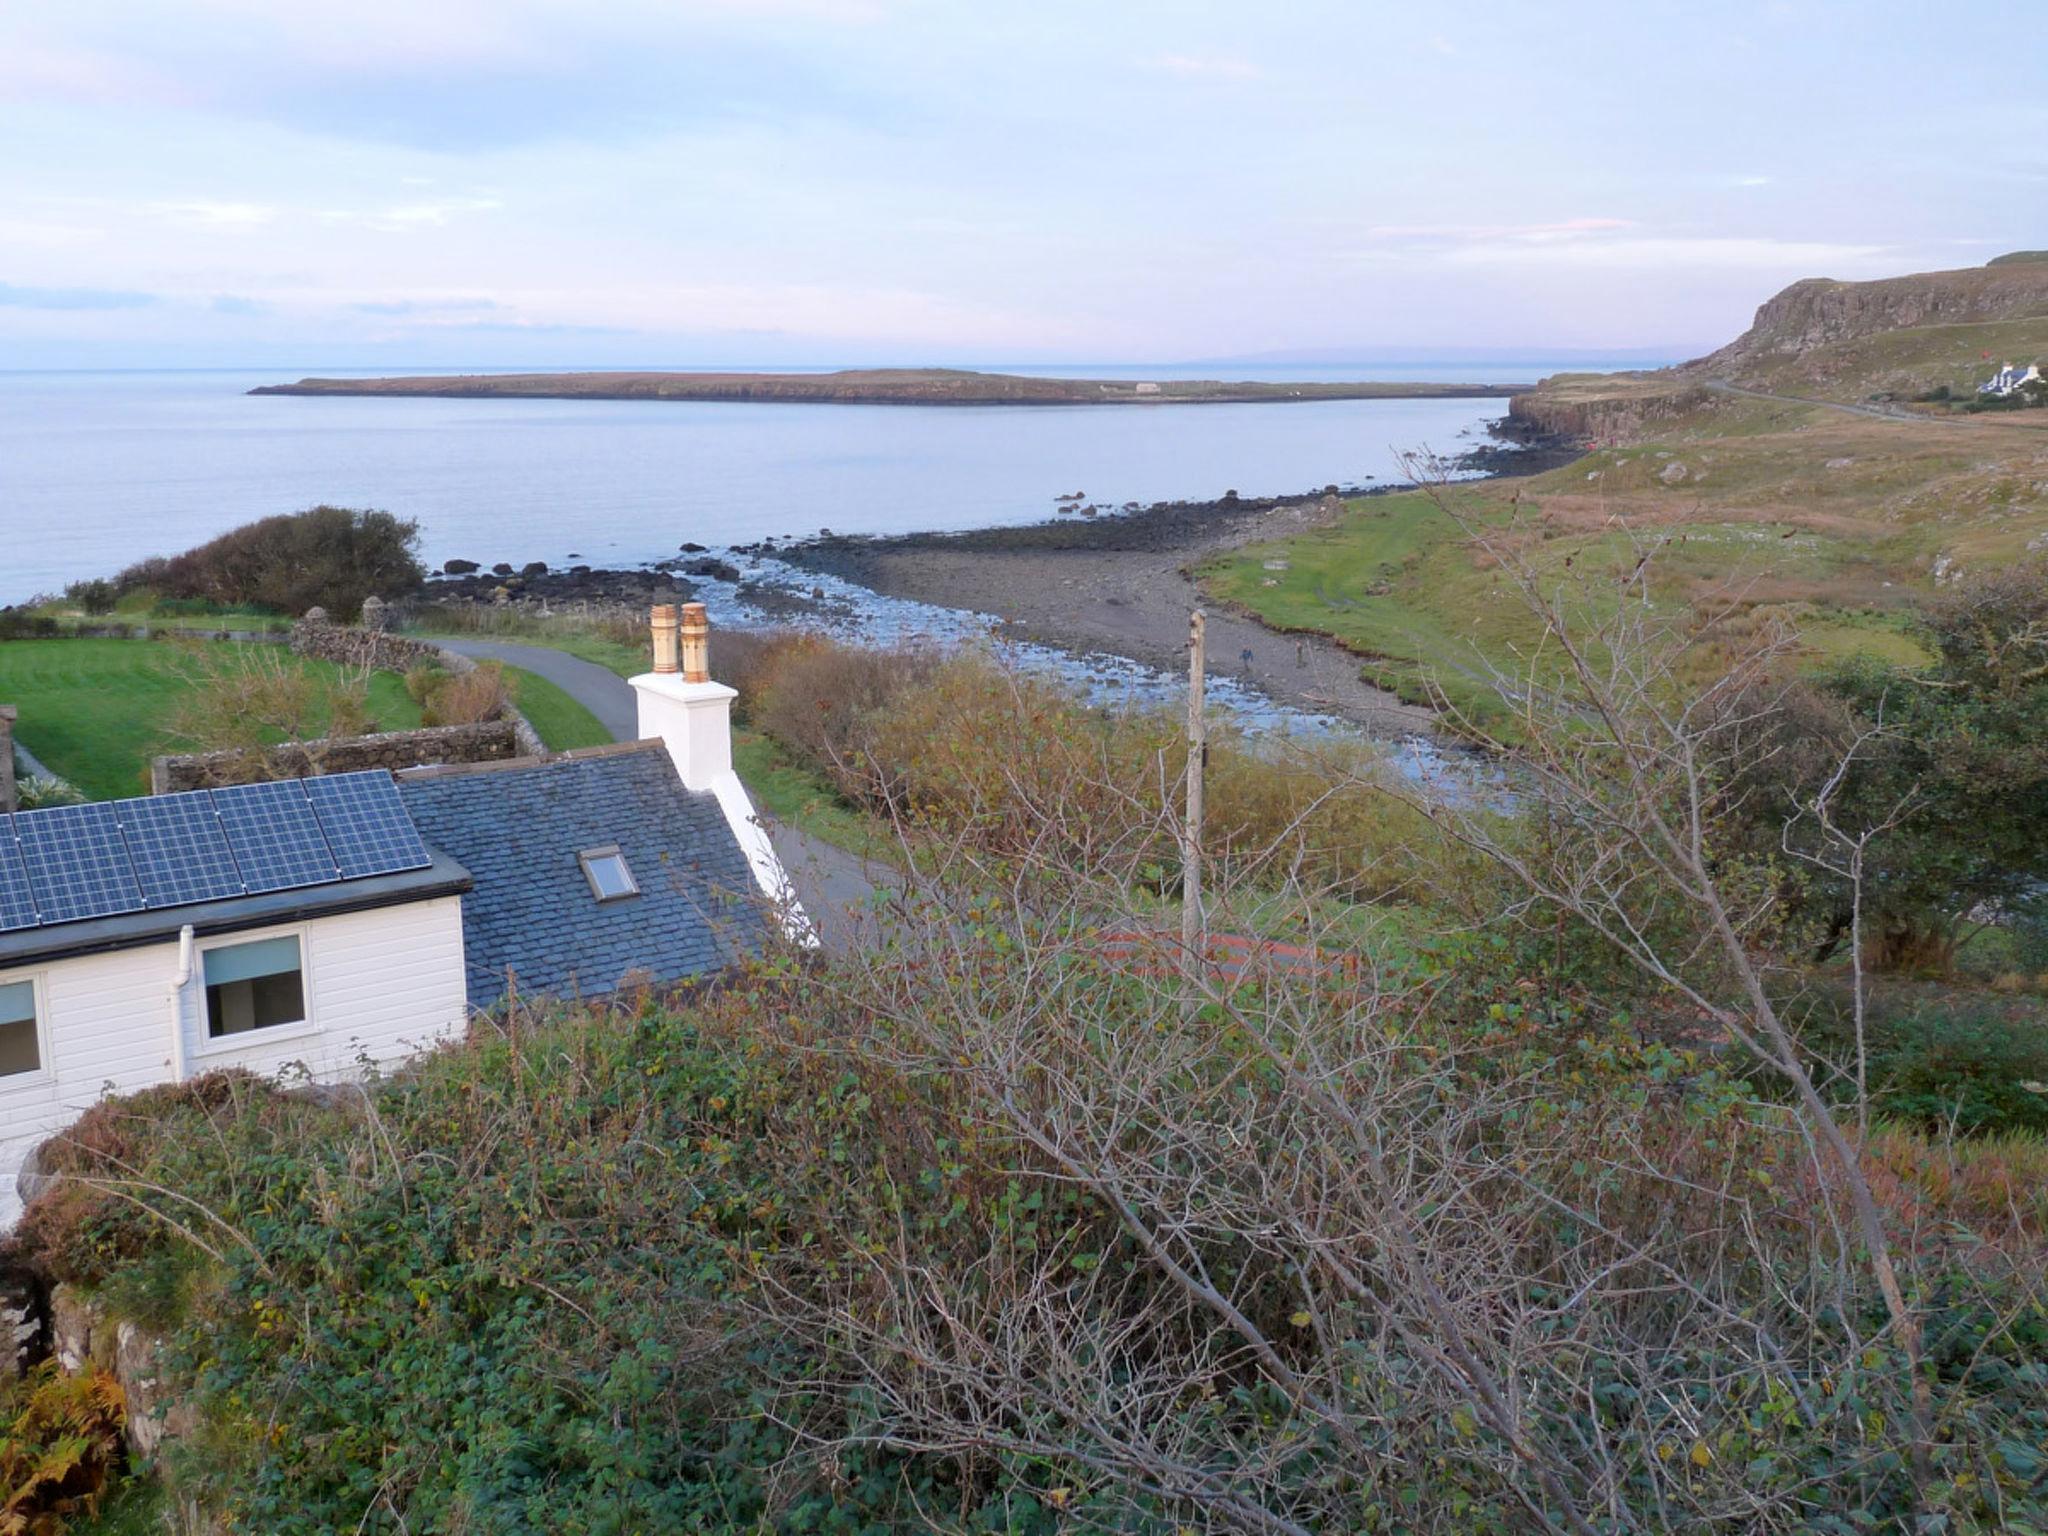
(329, 923)
(2010, 380)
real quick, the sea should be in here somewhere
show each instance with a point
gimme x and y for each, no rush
(100, 469)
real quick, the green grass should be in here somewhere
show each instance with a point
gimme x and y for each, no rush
(562, 724)
(95, 710)
(794, 794)
(137, 1507)
(1388, 581)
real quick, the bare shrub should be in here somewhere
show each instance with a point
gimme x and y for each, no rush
(983, 757)
(467, 698)
(245, 699)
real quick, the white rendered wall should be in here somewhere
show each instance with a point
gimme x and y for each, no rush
(694, 721)
(380, 986)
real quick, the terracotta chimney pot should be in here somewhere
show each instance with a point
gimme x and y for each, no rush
(665, 642)
(696, 634)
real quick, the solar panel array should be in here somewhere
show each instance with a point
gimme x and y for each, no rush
(74, 862)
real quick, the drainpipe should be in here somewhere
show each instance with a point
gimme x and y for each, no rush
(178, 985)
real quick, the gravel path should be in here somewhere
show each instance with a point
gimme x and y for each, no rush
(837, 888)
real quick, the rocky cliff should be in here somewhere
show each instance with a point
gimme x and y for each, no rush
(1821, 312)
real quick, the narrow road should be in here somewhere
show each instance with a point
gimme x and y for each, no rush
(1879, 412)
(837, 888)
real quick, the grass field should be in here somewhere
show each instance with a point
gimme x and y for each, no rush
(562, 724)
(95, 710)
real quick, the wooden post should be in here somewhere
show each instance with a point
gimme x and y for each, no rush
(1191, 925)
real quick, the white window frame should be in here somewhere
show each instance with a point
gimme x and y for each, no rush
(46, 1070)
(210, 1044)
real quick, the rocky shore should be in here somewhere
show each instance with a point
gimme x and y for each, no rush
(1090, 579)
(1122, 585)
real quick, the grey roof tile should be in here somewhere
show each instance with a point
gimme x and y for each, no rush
(518, 829)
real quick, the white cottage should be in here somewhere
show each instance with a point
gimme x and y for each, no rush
(329, 922)
(146, 941)
(2010, 380)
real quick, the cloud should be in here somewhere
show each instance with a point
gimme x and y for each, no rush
(1203, 66)
(1562, 229)
(400, 217)
(1720, 252)
(236, 304)
(1610, 243)
(424, 306)
(206, 213)
(12, 297)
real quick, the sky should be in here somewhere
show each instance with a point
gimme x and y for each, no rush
(217, 183)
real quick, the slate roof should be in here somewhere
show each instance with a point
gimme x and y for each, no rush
(518, 827)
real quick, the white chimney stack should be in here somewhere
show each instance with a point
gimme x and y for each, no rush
(692, 716)
(678, 701)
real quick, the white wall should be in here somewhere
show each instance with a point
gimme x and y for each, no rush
(381, 984)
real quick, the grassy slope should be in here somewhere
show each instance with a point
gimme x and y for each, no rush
(1830, 521)
(94, 710)
(1908, 362)
(561, 723)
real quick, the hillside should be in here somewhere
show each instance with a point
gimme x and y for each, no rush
(1783, 473)
(1896, 336)
(871, 386)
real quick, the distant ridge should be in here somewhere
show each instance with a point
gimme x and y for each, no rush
(873, 386)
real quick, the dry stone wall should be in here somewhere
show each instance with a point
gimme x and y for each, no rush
(489, 741)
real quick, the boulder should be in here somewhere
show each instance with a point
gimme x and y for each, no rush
(459, 567)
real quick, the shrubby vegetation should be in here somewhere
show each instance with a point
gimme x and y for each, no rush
(1524, 1171)
(483, 692)
(329, 557)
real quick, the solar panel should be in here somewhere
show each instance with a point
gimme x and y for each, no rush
(366, 824)
(179, 851)
(77, 863)
(275, 838)
(17, 900)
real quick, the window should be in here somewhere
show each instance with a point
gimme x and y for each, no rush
(605, 869)
(258, 985)
(20, 1050)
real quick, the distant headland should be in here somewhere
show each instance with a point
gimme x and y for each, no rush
(876, 386)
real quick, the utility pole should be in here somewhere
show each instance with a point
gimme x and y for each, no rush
(1198, 762)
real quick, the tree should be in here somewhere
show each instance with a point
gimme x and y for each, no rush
(1966, 741)
(329, 557)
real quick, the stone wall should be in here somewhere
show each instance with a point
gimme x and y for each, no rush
(490, 741)
(82, 1335)
(349, 647)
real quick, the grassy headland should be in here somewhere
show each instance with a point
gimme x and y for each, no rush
(874, 386)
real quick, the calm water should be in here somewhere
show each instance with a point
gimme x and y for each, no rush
(97, 470)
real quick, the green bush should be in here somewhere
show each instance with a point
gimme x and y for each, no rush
(330, 557)
(1967, 1063)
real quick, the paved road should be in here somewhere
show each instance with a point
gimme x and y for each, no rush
(837, 888)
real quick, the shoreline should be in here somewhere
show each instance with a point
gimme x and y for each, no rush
(1087, 581)
(1123, 585)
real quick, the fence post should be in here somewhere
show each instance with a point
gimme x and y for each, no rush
(1198, 761)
